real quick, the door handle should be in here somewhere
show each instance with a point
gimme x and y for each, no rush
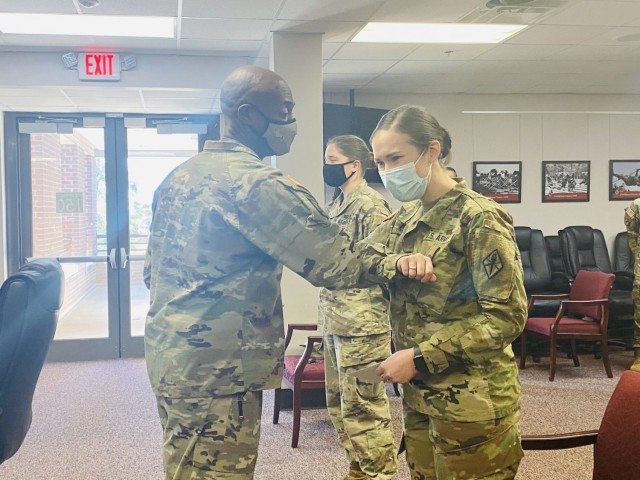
(124, 257)
(112, 258)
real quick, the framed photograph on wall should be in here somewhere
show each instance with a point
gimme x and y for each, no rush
(500, 181)
(566, 181)
(624, 179)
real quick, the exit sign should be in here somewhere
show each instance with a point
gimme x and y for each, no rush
(99, 66)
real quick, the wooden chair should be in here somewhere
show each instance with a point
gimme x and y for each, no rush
(299, 375)
(616, 442)
(583, 315)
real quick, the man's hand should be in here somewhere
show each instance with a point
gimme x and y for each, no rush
(398, 368)
(416, 266)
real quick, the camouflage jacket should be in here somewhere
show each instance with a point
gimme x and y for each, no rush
(632, 224)
(464, 322)
(223, 225)
(356, 311)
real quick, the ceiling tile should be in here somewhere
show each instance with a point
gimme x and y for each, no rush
(329, 49)
(156, 8)
(598, 52)
(424, 11)
(596, 12)
(357, 66)
(353, 10)
(40, 6)
(228, 29)
(508, 51)
(332, 31)
(245, 47)
(374, 51)
(556, 34)
(245, 9)
(445, 50)
(414, 67)
(345, 80)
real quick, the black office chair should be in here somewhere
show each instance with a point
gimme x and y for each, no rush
(584, 248)
(29, 303)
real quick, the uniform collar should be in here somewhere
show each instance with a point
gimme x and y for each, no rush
(434, 216)
(341, 202)
(228, 144)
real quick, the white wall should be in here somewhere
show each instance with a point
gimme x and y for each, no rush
(533, 128)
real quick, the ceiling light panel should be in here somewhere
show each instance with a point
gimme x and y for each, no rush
(455, 33)
(87, 25)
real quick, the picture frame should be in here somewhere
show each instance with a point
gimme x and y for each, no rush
(624, 179)
(500, 181)
(566, 181)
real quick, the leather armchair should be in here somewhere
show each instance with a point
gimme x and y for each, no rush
(584, 248)
(29, 303)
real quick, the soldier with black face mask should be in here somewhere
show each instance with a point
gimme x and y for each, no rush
(355, 322)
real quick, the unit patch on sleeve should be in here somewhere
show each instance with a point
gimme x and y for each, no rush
(492, 264)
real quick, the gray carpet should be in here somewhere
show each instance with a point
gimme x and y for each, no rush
(97, 421)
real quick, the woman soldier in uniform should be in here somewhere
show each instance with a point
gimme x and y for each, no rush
(355, 322)
(461, 393)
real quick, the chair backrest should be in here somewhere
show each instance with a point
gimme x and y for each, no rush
(29, 303)
(584, 248)
(615, 455)
(622, 255)
(590, 285)
(535, 259)
(555, 254)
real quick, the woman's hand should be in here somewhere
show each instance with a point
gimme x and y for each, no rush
(416, 266)
(398, 368)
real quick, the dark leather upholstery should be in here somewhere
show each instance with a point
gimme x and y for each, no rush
(535, 259)
(555, 255)
(584, 248)
(29, 303)
(623, 262)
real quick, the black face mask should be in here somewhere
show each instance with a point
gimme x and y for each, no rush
(333, 174)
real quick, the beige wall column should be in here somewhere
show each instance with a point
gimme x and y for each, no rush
(297, 57)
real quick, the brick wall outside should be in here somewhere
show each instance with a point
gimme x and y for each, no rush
(64, 163)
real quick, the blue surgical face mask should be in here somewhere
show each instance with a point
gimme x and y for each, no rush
(404, 183)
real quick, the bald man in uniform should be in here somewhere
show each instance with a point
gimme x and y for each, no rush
(224, 224)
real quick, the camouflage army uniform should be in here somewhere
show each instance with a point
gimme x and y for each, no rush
(223, 225)
(465, 410)
(356, 331)
(632, 223)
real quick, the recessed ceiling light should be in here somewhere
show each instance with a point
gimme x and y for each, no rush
(88, 25)
(436, 32)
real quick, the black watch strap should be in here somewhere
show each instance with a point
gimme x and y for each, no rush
(418, 360)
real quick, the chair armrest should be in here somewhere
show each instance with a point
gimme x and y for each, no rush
(306, 355)
(601, 301)
(536, 296)
(560, 441)
(297, 326)
(623, 280)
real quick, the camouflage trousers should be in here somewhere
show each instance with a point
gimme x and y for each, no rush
(359, 410)
(211, 438)
(445, 450)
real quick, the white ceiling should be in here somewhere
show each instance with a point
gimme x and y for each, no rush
(570, 46)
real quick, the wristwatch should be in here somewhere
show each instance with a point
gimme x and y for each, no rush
(418, 361)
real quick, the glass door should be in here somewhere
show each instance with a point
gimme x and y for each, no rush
(80, 189)
(155, 146)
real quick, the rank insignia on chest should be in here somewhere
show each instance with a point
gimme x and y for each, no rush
(492, 264)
